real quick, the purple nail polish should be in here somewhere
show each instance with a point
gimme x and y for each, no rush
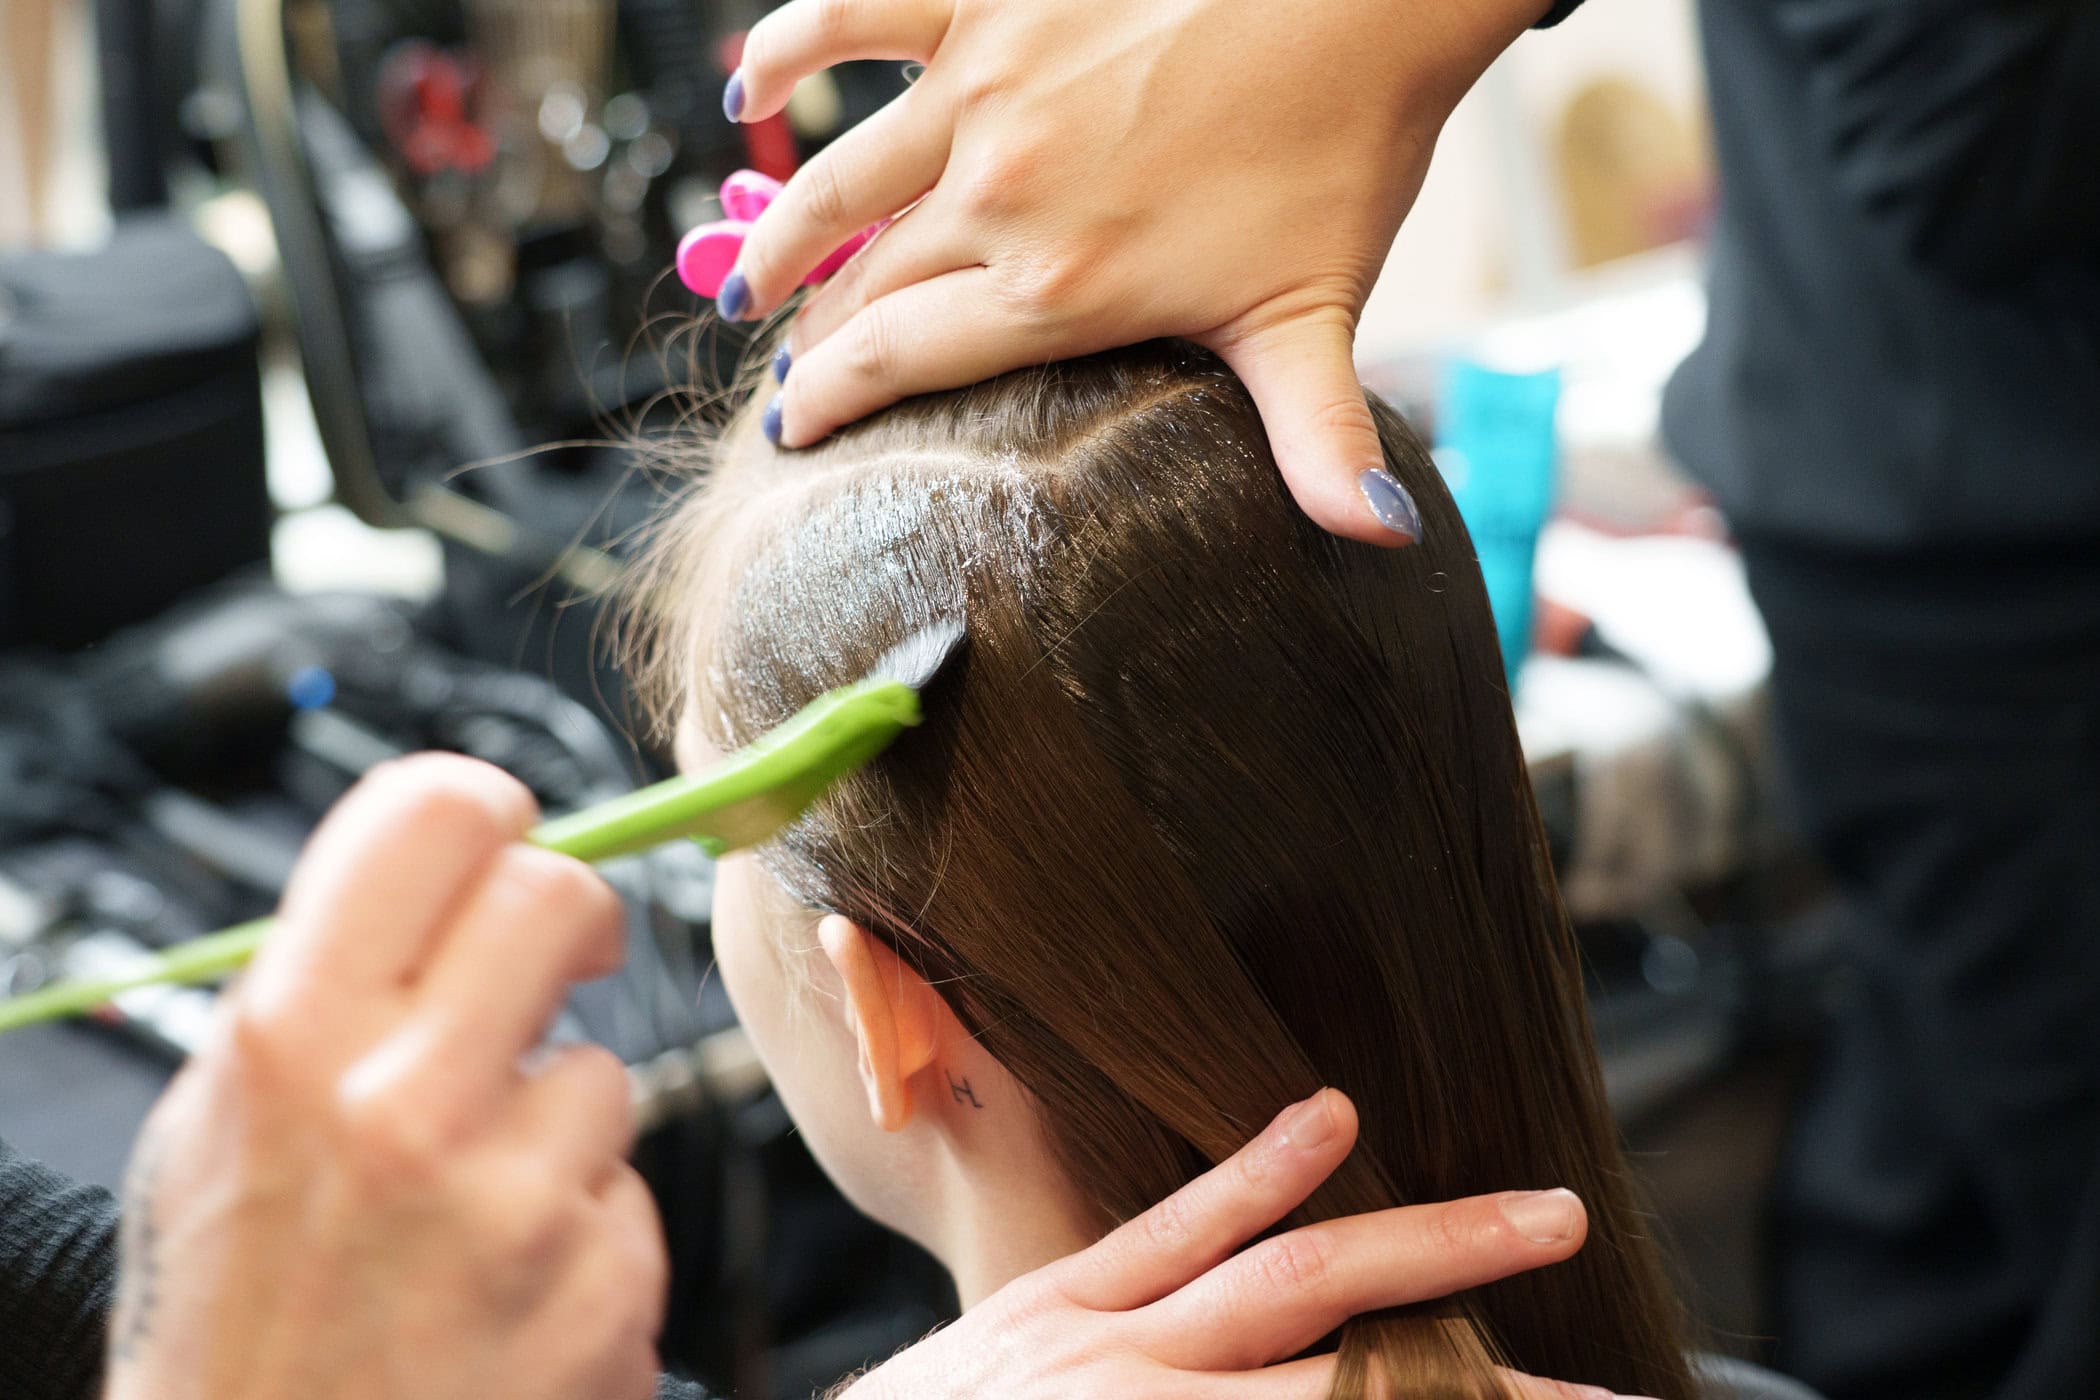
(1390, 502)
(733, 97)
(735, 297)
(769, 421)
(782, 359)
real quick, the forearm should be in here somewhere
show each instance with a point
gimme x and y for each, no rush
(58, 1269)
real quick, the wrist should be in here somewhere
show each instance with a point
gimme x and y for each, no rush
(1459, 39)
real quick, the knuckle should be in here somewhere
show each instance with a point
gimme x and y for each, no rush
(1044, 291)
(836, 21)
(1253, 1171)
(1012, 170)
(526, 1214)
(263, 1056)
(1451, 1232)
(1346, 414)
(998, 187)
(451, 798)
(390, 1144)
(263, 1034)
(983, 87)
(824, 195)
(1291, 1263)
(872, 349)
(1170, 1226)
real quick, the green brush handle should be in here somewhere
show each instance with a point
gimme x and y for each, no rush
(739, 802)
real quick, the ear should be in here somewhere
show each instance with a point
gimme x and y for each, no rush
(892, 1011)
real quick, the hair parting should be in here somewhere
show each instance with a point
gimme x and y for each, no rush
(1215, 809)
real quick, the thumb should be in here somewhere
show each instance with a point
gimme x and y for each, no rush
(1302, 376)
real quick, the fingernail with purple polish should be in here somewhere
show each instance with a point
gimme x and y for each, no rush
(733, 97)
(1388, 500)
(782, 359)
(770, 420)
(735, 297)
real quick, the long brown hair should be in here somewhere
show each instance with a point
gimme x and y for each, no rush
(1214, 809)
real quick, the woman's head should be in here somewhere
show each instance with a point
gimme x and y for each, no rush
(1212, 809)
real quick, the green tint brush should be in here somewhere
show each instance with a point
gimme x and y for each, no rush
(739, 802)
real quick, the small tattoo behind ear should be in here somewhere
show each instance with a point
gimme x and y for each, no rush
(962, 1091)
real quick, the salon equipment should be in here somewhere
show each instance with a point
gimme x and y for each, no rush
(161, 785)
(192, 755)
(738, 802)
(131, 447)
(1496, 448)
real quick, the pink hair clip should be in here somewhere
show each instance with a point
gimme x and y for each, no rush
(707, 253)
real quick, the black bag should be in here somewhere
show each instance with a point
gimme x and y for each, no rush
(131, 438)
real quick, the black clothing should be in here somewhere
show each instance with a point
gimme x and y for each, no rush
(1903, 340)
(58, 1273)
(1939, 1203)
(1897, 404)
(58, 1253)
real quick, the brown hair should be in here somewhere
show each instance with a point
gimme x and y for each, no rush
(1213, 809)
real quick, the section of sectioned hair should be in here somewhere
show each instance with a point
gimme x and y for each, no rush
(1215, 809)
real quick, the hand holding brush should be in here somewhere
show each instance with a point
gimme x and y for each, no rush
(740, 801)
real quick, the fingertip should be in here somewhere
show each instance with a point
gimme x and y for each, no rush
(1322, 431)
(1554, 1221)
(1322, 1125)
(1391, 504)
(1343, 1110)
(1351, 494)
(735, 297)
(1335, 500)
(800, 424)
(419, 780)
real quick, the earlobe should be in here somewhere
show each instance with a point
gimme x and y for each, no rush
(892, 1012)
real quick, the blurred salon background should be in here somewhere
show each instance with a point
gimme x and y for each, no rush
(294, 298)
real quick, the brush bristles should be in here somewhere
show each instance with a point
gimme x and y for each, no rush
(917, 659)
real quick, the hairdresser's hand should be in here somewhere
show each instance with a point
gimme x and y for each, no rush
(367, 1188)
(1098, 172)
(1164, 1309)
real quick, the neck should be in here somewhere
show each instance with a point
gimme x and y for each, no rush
(1003, 1224)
